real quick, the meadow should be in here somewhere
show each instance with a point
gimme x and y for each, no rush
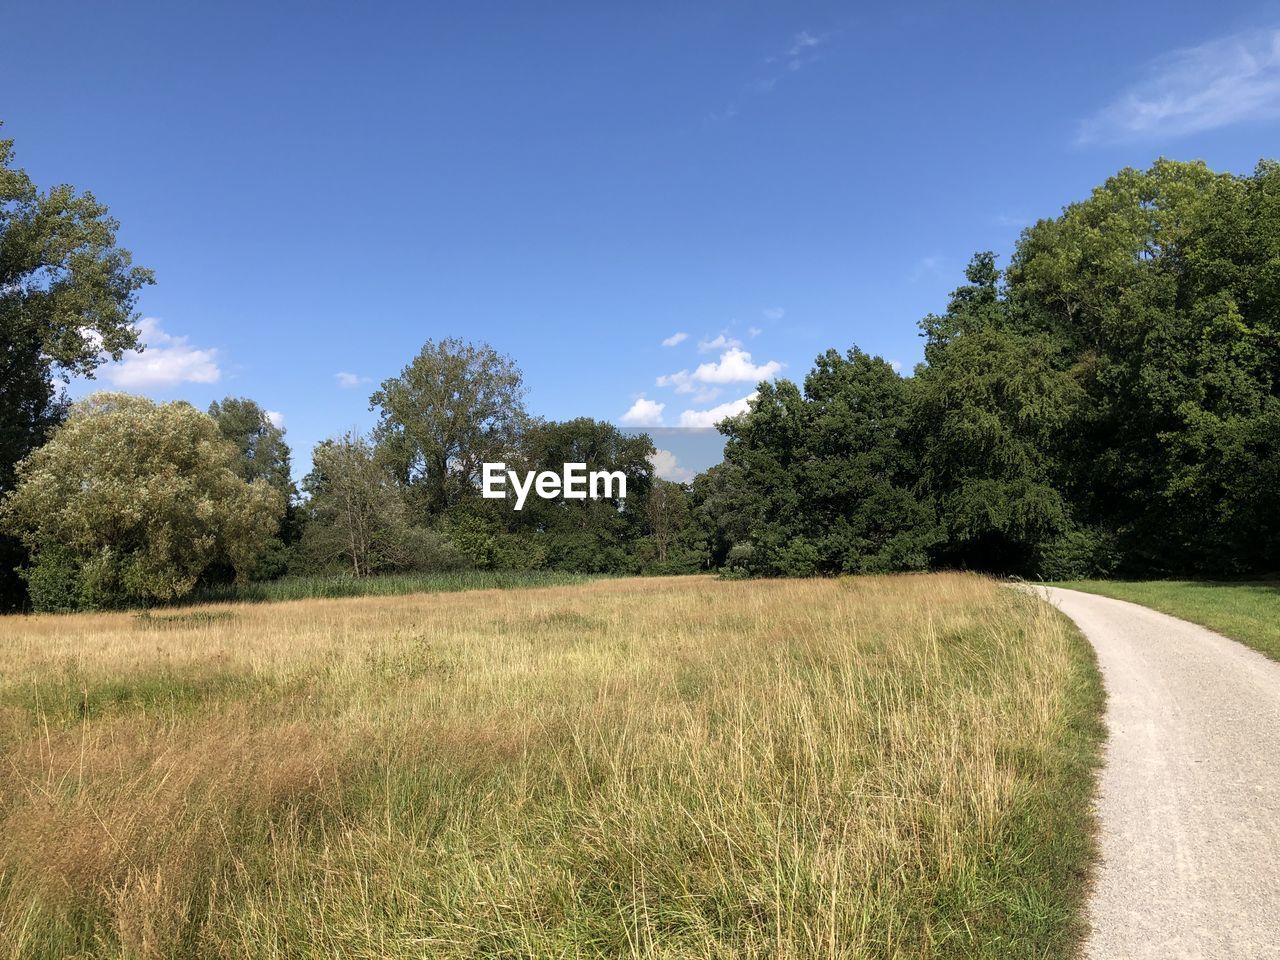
(660, 768)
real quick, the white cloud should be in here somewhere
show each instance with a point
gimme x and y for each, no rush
(709, 418)
(734, 366)
(644, 413)
(681, 380)
(276, 418)
(773, 313)
(719, 343)
(666, 466)
(896, 364)
(348, 380)
(1220, 83)
(754, 332)
(675, 339)
(166, 362)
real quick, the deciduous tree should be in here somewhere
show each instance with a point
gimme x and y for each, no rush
(136, 500)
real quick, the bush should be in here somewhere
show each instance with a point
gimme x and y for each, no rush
(1080, 553)
(53, 581)
(482, 545)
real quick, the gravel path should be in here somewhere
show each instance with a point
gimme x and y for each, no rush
(1189, 795)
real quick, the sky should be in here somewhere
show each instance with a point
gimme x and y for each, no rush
(649, 207)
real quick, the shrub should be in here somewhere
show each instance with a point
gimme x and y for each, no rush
(1078, 554)
(53, 581)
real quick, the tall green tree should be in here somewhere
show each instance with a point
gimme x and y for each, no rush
(454, 407)
(989, 409)
(1163, 288)
(262, 454)
(591, 535)
(67, 293)
(829, 474)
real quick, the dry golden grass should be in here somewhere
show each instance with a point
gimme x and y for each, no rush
(684, 767)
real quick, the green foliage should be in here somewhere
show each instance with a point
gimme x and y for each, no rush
(263, 455)
(989, 408)
(1162, 292)
(358, 518)
(142, 498)
(1111, 402)
(383, 585)
(53, 581)
(826, 475)
(482, 544)
(1077, 553)
(591, 535)
(67, 293)
(454, 407)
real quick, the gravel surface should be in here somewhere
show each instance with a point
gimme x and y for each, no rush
(1189, 795)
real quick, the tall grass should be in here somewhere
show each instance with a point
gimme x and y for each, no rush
(383, 585)
(684, 767)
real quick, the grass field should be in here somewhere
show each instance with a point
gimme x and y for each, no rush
(1248, 612)
(383, 585)
(663, 768)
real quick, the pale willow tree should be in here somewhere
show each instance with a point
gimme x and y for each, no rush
(133, 501)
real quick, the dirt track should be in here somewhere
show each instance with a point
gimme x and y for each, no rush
(1189, 798)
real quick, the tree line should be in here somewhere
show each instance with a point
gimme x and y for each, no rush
(1106, 404)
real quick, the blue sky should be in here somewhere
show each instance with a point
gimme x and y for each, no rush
(321, 188)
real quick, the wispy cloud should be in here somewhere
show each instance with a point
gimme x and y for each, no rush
(1220, 83)
(800, 51)
(166, 362)
(349, 380)
(709, 418)
(675, 339)
(734, 366)
(773, 313)
(644, 413)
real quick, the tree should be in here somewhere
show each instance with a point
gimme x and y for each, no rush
(667, 514)
(827, 476)
(990, 408)
(588, 536)
(454, 407)
(133, 501)
(1161, 291)
(31, 409)
(264, 455)
(358, 516)
(67, 293)
(262, 451)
